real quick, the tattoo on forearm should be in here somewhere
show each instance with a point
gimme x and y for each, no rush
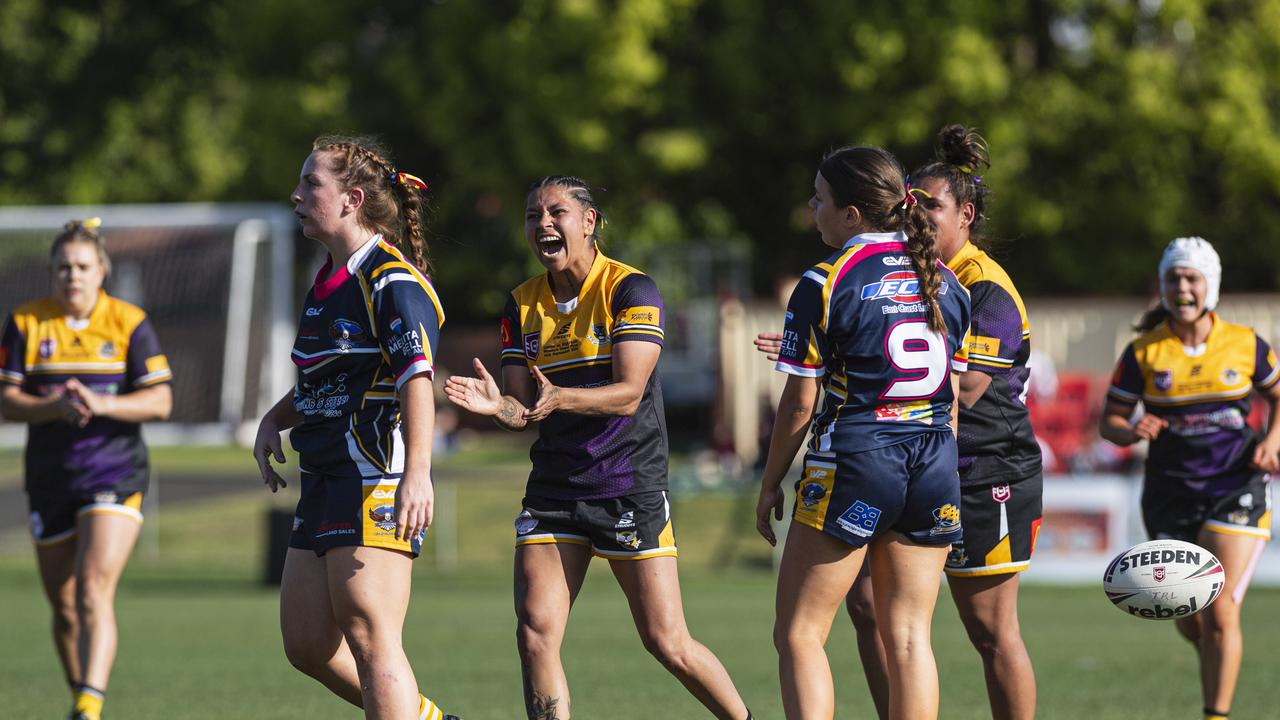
(537, 705)
(509, 416)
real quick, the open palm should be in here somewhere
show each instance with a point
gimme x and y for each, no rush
(479, 394)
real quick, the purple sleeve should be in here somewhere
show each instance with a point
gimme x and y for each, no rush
(146, 364)
(1265, 369)
(995, 334)
(13, 354)
(1127, 383)
(637, 310)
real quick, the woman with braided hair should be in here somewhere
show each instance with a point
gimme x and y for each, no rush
(84, 369)
(362, 415)
(876, 332)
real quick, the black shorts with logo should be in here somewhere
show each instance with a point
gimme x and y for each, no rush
(54, 517)
(1001, 521)
(338, 511)
(631, 527)
(1170, 510)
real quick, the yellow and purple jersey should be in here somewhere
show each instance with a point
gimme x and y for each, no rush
(113, 352)
(857, 321)
(1203, 393)
(994, 436)
(365, 330)
(580, 457)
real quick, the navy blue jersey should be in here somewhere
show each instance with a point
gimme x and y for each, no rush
(856, 320)
(581, 457)
(365, 331)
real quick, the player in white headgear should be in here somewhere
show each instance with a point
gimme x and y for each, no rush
(1207, 472)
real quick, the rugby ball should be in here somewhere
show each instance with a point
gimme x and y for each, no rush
(1163, 580)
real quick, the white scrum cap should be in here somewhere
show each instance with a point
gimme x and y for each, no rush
(1198, 254)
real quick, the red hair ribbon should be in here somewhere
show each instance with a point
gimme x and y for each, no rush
(404, 178)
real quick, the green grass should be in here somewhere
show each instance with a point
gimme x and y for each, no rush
(199, 633)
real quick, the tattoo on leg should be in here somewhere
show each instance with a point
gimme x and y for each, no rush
(537, 705)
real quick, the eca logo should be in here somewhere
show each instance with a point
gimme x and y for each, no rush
(900, 286)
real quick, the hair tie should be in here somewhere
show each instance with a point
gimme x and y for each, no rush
(910, 199)
(404, 178)
(969, 171)
(92, 223)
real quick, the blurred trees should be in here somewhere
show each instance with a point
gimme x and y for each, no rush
(1114, 126)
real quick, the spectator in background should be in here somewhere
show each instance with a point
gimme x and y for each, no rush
(84, 370)
(1208, 473)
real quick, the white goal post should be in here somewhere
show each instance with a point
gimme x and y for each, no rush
(217, 281)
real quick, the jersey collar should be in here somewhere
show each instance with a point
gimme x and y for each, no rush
(875, 237)
(326, 285)
(967, 252)
(597, 267)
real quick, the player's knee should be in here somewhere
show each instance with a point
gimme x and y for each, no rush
(304, 654)
(534, 642)
(65, 619)
(671, 648)
(94, 593)
(863, 614)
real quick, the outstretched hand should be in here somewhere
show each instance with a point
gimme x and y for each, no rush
(479, 394)
(548, 398)
(770, 344)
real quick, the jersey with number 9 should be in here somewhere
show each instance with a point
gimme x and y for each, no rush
(858, 322)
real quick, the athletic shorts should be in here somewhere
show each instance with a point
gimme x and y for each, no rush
(1171, 511)
(344, 511)
(632, 527)
(53, 519)
(910, 487)
(1001, 521)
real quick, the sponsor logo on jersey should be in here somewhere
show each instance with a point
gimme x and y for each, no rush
(381, 494)
(1195, 370)
(628, 538)
(790, 345)
(48, 347)
(1246, 500)
(314, 311)
(904, 411)
(108, 350)
(345, 333)
(405, 343)
(396, 323)
(902, 287)
(1157, 573)
(627, 520)
(598, 335)
(945, 519)
(37, 525)
(563, 331)
(645, 314)
(1001, 493)
(898, 260)
(506, 332)
(328, 528)
(525, 523)
(1163, 380)
(383, 517)
(297, 523)
(532, 341)
(1238, 517)
(983, 345)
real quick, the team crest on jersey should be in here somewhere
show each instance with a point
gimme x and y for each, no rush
(598, 335)
(627, 520)
(1163, 380)
(628, 538)
(945, 519)
(48, 347)
(532, 343)
(1230, 377)
(384, 516)
(957, 558)
(345, 333)
(900, 286)
(106, 497)
(525, 523)
(1001, 493)
(108, 350)
(812, 493)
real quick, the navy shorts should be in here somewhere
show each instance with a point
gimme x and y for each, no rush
(911, 487)
(342, 511)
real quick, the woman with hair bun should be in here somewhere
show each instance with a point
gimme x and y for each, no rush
(875, 333)
(84, 370)
(1208, 474)
(999, 459)
(362, 414)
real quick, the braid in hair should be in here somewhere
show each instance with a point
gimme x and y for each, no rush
(579, 191)
(393, 202)
(870, 179)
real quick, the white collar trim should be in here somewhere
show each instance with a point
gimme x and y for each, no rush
(357, 257)
(875, 237)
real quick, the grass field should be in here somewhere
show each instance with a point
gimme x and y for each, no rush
(199, 635)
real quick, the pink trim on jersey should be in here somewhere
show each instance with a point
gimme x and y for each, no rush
(1243, 583)
(858, 256)
(326, 287)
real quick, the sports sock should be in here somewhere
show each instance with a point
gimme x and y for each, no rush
(89, 702)
(1211, 714)
(428, 710)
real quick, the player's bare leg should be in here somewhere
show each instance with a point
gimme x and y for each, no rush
(906, 590)
(547, 580)
(57, 562)
(1221, 642)
(816, 573)
(104, 541)
(860, 602)
(312, 641)
(988, 607)
(652, 587)
(369, 589)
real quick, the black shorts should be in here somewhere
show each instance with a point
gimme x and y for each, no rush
(345, 511)
(631, 527)
(53, 518)
(1001, 521)
(910, 487)
(1171, 511)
